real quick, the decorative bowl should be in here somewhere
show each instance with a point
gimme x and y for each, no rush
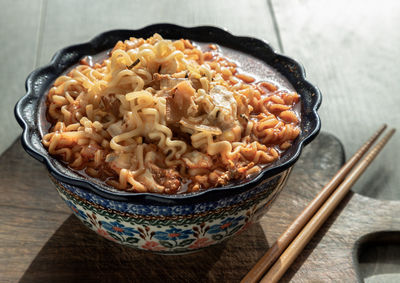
(167, 224)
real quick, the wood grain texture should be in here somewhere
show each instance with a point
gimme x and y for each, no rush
(65, 26)
(19, 28)
(40, 241)
(350, 50)
(385, 245)
(30, 211)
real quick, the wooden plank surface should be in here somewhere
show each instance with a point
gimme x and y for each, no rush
(350, 49)
(19, 22)
(30, 211)
(65, 26)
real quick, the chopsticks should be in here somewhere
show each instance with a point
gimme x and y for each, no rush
(303, 228)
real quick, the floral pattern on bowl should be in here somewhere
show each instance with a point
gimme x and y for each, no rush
(179, 233)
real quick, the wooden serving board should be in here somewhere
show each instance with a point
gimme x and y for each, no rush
(41, 241)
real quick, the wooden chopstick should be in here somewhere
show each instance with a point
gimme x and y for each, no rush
(309, 230)
(291, 232)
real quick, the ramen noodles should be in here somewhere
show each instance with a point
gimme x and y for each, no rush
(168, 117)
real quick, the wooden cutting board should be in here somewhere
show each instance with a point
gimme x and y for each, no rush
(41, 241)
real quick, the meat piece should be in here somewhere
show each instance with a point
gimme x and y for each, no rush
(223, 99)
(179, 101)
(196, 159)
(200, 127)
(226, 104)
(111, 104)
(168, 178)
(89, 151)
(168, 81)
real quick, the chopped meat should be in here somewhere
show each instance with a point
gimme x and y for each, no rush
(223, 98)
(197, 159)
(179, 101)
(200, 127)
(168, 81)
(168, 178)
(110, 104)
(89, 151)
(226, 103)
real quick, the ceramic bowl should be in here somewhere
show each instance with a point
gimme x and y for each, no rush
(167, 224)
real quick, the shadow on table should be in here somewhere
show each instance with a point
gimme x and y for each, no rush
(74, 254)
(378, 254)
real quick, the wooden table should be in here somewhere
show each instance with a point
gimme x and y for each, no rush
(349, 49)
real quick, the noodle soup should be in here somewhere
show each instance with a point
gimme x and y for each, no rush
(170, 117)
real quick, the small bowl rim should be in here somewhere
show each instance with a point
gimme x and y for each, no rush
(152, 198)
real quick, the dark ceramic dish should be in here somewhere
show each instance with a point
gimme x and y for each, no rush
(86, 197)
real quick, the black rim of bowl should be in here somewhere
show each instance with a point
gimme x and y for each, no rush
(26, 110)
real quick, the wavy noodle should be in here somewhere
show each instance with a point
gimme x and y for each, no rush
(163, 116)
